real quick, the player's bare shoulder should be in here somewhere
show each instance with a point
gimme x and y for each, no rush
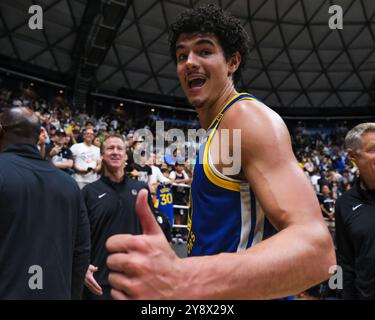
(258, 123)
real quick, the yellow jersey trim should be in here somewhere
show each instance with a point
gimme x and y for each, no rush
(234, 186)
(221, 111)
(216, 180)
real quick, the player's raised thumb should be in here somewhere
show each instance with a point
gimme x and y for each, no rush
(145, 215)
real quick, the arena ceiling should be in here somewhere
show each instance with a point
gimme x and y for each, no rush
(296, 59)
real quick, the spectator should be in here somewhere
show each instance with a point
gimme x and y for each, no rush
(142, 171)
(97, 142)
(87, 161)
(42, 142)
(323, 181)
(180, 197)
(157, 176)
(327, 204)
(59, 153)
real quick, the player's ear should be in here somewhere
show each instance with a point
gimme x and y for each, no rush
(233, 63)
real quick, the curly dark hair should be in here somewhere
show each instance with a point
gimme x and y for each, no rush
(212, 19)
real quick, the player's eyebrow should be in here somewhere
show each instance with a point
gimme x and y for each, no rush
(198, 42)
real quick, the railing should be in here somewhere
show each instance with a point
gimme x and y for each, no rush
(177, 206)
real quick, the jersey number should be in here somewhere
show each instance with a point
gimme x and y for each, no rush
(166, 199)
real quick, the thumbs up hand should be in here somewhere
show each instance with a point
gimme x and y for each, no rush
(142, 266)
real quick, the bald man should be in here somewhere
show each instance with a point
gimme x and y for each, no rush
(44, 230)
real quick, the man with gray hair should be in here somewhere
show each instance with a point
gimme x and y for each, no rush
(355, 218)
(110, 203)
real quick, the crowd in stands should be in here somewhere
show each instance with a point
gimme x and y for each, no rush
(319, 150)
(71, 140)
(322, 156)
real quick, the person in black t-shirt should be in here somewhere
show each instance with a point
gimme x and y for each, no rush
(327, 203)
(59, 154)
(142, 171)
(180, 196)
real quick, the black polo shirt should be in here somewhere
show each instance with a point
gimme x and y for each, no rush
(111, 210)
(355, 240)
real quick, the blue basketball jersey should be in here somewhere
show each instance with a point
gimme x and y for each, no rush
(164, 202)
(225, 215)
